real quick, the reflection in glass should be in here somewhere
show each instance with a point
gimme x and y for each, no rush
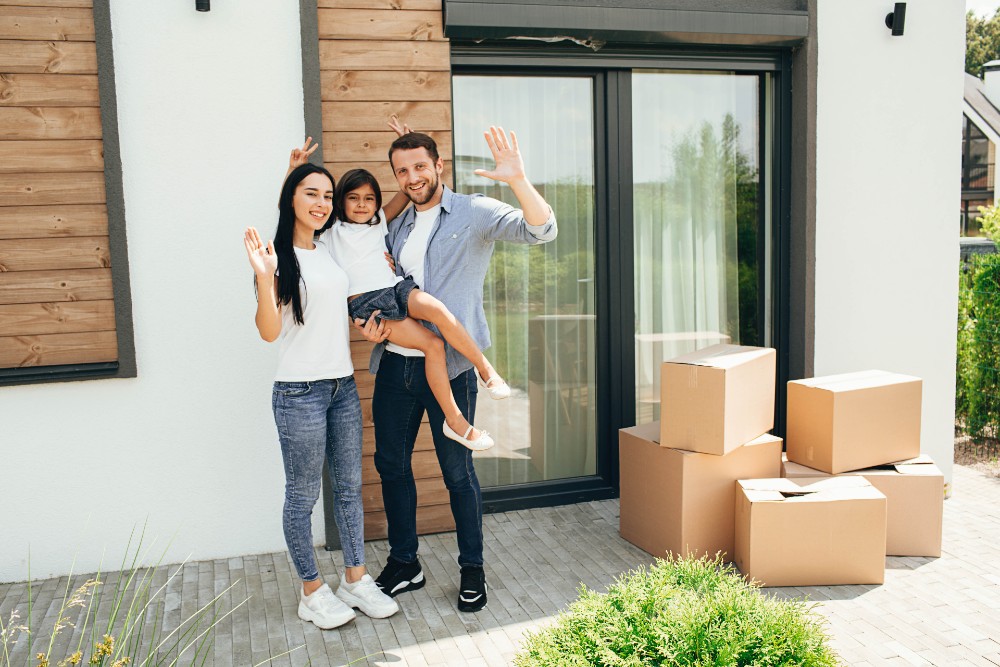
(539, 300)
(696, 210)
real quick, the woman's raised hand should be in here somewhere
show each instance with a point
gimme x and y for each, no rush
(300, 156)
(399, 127)
(262, 258)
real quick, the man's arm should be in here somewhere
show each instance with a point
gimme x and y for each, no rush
(509, 169)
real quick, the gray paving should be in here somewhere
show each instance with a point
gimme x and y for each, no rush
(942, 611)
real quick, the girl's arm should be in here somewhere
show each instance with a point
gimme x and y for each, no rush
(264, 263)
(395, 206)
(299, 156)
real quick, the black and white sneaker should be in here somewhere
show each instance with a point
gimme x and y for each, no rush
(398, 577)
(472, 591)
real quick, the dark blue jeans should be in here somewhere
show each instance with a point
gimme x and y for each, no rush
(401, 397)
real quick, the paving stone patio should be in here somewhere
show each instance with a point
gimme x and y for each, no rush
(942, 611)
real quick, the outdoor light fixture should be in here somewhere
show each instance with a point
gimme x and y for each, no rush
(203, 5)
(893, 20)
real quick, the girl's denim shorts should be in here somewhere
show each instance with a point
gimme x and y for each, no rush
(390, 300)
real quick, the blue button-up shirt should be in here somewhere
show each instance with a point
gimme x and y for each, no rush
(458, 256)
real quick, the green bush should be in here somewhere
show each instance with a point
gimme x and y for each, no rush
(695, 612)
(978, 384)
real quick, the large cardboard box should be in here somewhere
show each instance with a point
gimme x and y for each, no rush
(852, 421)
(810, 532)
(717, 398)
(914, 493)
(680, 501)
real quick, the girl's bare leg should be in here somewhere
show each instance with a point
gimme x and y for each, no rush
(412, 334)
(422, 306)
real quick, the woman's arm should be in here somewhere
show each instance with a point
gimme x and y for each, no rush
(264, 263)
(399, 201)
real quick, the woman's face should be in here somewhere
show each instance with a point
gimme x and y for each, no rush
(313, 201)
(359, 204)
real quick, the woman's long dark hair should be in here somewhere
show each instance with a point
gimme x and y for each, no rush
(349, 182)
(288, 265)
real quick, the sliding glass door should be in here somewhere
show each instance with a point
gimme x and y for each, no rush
(661, 180)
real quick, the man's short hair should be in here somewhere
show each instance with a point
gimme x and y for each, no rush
(412, 140)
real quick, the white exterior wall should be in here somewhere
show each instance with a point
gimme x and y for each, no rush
(208, 105)
(887, 163)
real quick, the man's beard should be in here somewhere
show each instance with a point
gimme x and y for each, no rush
(429, 190)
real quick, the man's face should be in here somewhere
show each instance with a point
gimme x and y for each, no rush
(418, 175)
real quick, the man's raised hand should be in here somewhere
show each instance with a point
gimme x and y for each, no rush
(509, 165)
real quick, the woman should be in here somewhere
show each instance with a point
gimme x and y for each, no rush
(302, 303)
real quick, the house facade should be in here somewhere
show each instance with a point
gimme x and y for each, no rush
(725, 171)
(980, 135)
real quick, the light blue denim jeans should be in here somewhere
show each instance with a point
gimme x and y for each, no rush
(317, 420)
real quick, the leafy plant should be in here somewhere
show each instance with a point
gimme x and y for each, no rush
(131, 636)
(681, 611)
(982, 41)
(982, 383)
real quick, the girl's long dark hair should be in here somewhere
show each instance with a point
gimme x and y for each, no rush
(288, 265)
(349, 182)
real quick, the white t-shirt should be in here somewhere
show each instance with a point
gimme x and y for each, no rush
(320, 348)
(411, 259)
(360, 251)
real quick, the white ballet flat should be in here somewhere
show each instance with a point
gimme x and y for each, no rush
(496, 386)
(484, 441)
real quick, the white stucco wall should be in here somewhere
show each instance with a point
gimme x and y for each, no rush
(887, 164)
(208, 106)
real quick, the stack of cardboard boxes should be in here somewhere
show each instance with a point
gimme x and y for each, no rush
(852, 488)
(678, 476)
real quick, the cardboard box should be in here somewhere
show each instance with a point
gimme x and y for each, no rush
(914, 493)
(680, 501)
(717, 398)
(852, 421)
(810, 532)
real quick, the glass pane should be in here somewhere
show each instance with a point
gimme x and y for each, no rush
(696, 172)
(539, 300)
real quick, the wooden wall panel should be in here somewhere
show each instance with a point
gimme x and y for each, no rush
(44, 23)
(381, 24)
(353, 86)
(56, 296)
(58, 349)
(378, 58)
(357, 54)
(372, 116)
(52, 156)
(48, 57)
(35, 222)
(50, 189)
(52, 90)
(59, 285)
(86, 252)
(25, 123)
(57, 317)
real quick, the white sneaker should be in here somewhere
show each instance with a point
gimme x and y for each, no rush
(324, 609)
(365, 595)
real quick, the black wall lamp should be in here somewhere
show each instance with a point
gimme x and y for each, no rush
(893, 20)
(203, 5)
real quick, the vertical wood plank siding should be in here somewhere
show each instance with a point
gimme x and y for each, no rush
(379, 57)
(56, 301)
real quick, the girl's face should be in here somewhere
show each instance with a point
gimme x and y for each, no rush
(313, 201)
(359, 205)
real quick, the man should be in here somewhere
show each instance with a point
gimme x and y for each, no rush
(444, 241)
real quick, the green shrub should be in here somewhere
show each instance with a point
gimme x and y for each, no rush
(982, 386)
(694, 612)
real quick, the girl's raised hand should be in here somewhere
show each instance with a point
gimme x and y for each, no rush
(509, 165)
(397, 126)
(263, 259)
(299, 156)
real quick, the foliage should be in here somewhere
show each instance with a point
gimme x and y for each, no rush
(978, 382)
(132, 635)
(989, 221)
(682, 611)
(982, 41)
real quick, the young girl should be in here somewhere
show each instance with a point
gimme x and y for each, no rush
(358, 236)
(302, 302)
